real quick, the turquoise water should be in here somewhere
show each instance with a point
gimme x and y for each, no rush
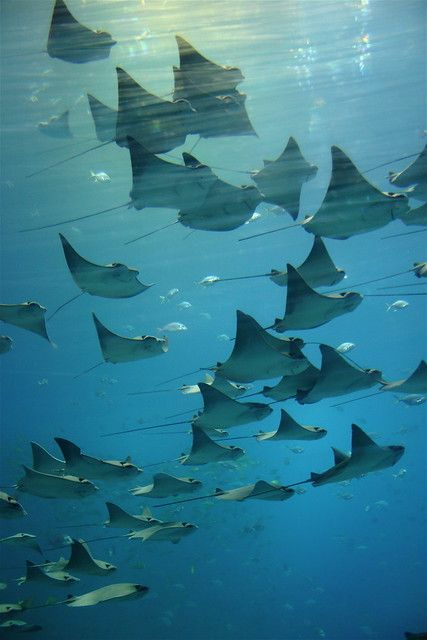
(340, 562)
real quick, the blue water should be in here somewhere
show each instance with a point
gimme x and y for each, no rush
(350, 73)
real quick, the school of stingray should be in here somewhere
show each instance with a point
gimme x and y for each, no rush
(206, 102)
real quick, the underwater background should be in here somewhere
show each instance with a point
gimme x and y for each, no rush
(339, 562)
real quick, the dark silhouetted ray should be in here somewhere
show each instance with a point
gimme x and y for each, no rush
(82, 561)
(415, 175)
(47, 485)
(290, 429)
(289, 385)
(72, 42)
(104, 119)
(10, 508)
(258, 355)
(120, 519)
(338, 377)
(6, 344)
(204, 450)
(366, 456)
(280, 181)
(306, 309)
(80, 464)
(221, 411)
(116, 348)
(165, 485)
(46, 463)
(416, 383)
(260, 490)
(27, 315)
(51, 579)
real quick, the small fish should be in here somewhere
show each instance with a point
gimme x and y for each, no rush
(398, 304)
(99, 176)
(400, 474)
(185, 305)
(208, 280)
(412, 400)
(43, 382)
(296, 449)
(173, 326)
(345, 346)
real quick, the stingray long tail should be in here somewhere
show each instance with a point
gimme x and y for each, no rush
(61, 162)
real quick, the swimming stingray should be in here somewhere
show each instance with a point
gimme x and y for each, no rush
(73, 42)
(306, 309)
(218, 108)
(159, 125)
(258, 355)
(113, 280)
(120, 519)
(280, 181)
(27, 315)
(318, 269)
(230, 389)
(337, 377)
(5, 344)
(420, 269)
(120, 591)
(46, 485)
(51, 579)
(290, 429)
(45, 462)
(260, 490)
(27, 540)
(78, 463)
(415, 175)
(415, 383)
(56, 126)
(366, 456)
(220, 411)
(116, 348)
(165, 485)
(169, 531)
(82, 561)
(104, 119)
(204, 450)
(20, 626)
(289, 385)
(10, 508)
(157, 182)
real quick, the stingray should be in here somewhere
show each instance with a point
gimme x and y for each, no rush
(56, 126)
(10, 508)
(46, 463)
(159, 125)
(51, 579)
(27, 315)
(414, 175)
(420, 269)
(170, 531)
(260, 490)
(280, 181)
(119, 591)
(27, 540)
(226, 208)
(415, 383)
(113, 280)
(46, 485)
(73, 42)
(120, 519)
(290, 429)
(116, 348)
(211, 89)
(104, 119)
(81, 561)
(307, 309)
(20, 626)
(6, 344)
(290, 384)
(230, 389)
(366, 456)
(258, 355)
(205, 450)
(78, 463)
(159, 183)
(318, 269)
(220, 411)
(10, 608)
(337, 377)
(165, 485)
